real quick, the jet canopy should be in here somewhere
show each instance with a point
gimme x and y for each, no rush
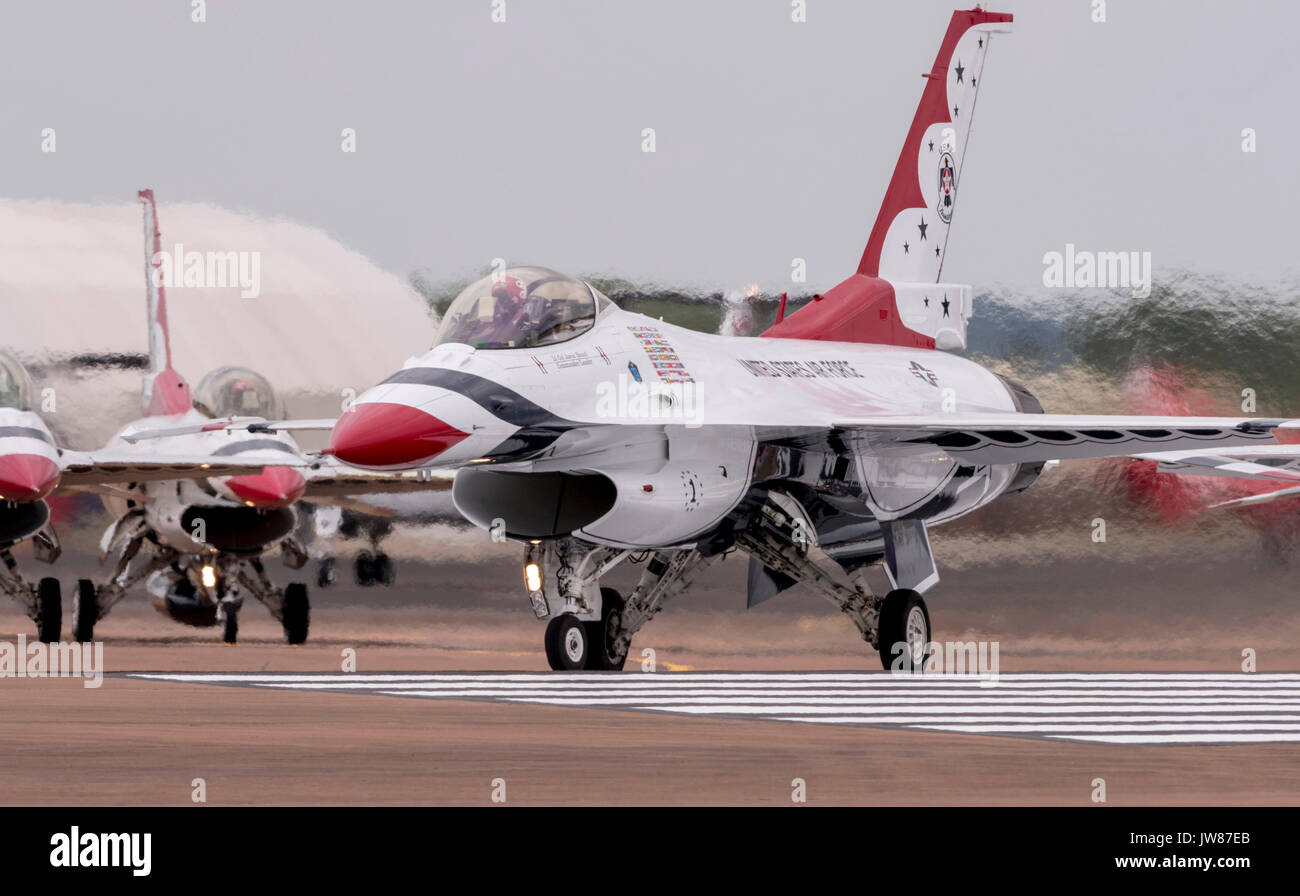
(15, 384)
(520, 308)
(236, 392)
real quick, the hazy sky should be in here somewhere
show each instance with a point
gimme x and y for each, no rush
(775, 140)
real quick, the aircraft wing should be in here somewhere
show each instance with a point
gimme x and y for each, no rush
(1010, 437)
(328, 480)
(82, 468)
(1279, 495)
(230, 424)
(1279, 462)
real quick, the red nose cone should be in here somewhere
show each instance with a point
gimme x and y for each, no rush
(377, 434)
(27, 477)
(273, 487)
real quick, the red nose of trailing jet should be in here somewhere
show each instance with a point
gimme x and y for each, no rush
(27, 477)
(273, 487)
(384, 436)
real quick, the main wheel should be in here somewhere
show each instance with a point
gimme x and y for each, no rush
(600, 657)
(383, 570)
(567, 643)
(365, 569)
(904, 631)
(48, 609)
(296, 613)
(85, 612)
(230, 626)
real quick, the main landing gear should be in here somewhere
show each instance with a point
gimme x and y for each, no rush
(205, 589)
(592, 627)
(374, 569)
(897, 625)
(42, 601)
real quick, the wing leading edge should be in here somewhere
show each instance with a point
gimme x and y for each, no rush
(1006, 438)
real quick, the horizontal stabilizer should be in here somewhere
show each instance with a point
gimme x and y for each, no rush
(1278, 462)
(938, 310)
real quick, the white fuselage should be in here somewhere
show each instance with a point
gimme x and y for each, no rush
(700, 420)
(165, 502)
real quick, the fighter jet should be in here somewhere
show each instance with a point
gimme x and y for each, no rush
(198, 543)
(32, 466)
(832, 443)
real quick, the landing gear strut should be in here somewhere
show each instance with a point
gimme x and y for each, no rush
(42, 601)
(327, 574)
(228, 615)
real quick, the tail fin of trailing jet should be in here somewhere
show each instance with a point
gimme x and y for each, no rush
(165, 391)
(906, 249)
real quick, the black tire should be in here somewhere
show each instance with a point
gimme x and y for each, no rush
(384, 574)
(328, 573)
(49, 609)
(567, 643)
(900, 608)
(598, 656)
(296, 613)
(365, 569)
(230, 628)
(86, 611)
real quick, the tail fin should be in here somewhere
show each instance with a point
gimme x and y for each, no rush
(910, 236)
(165, 391)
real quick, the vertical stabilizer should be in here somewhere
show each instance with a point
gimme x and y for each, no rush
(896, 297)
(165, 391)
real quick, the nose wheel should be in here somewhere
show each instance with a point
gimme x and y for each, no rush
(573, 645)
(567, 643)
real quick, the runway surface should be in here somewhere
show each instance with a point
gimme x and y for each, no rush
(1129, 709)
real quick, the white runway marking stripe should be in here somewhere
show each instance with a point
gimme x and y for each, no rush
(1111, 708)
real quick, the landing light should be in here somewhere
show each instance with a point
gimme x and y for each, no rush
(209, 576)
(533, 577)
